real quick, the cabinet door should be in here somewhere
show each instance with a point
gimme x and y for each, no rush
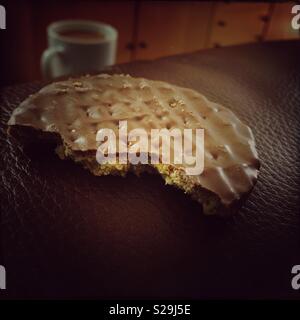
(119, 14)
(166, 28)
(280, 25)
(17, 61)
(235, 23)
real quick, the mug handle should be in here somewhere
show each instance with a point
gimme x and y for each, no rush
(46, 59)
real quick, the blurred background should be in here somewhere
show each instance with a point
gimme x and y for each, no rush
(147, 29)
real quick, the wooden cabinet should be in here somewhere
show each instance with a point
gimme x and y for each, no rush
(147, 29)
(17, 63)
(166, 28)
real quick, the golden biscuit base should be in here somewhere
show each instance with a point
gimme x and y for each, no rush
(76, 109)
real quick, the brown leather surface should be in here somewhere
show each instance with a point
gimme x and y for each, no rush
(66, 233)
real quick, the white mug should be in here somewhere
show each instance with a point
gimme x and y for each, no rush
(70, 55)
